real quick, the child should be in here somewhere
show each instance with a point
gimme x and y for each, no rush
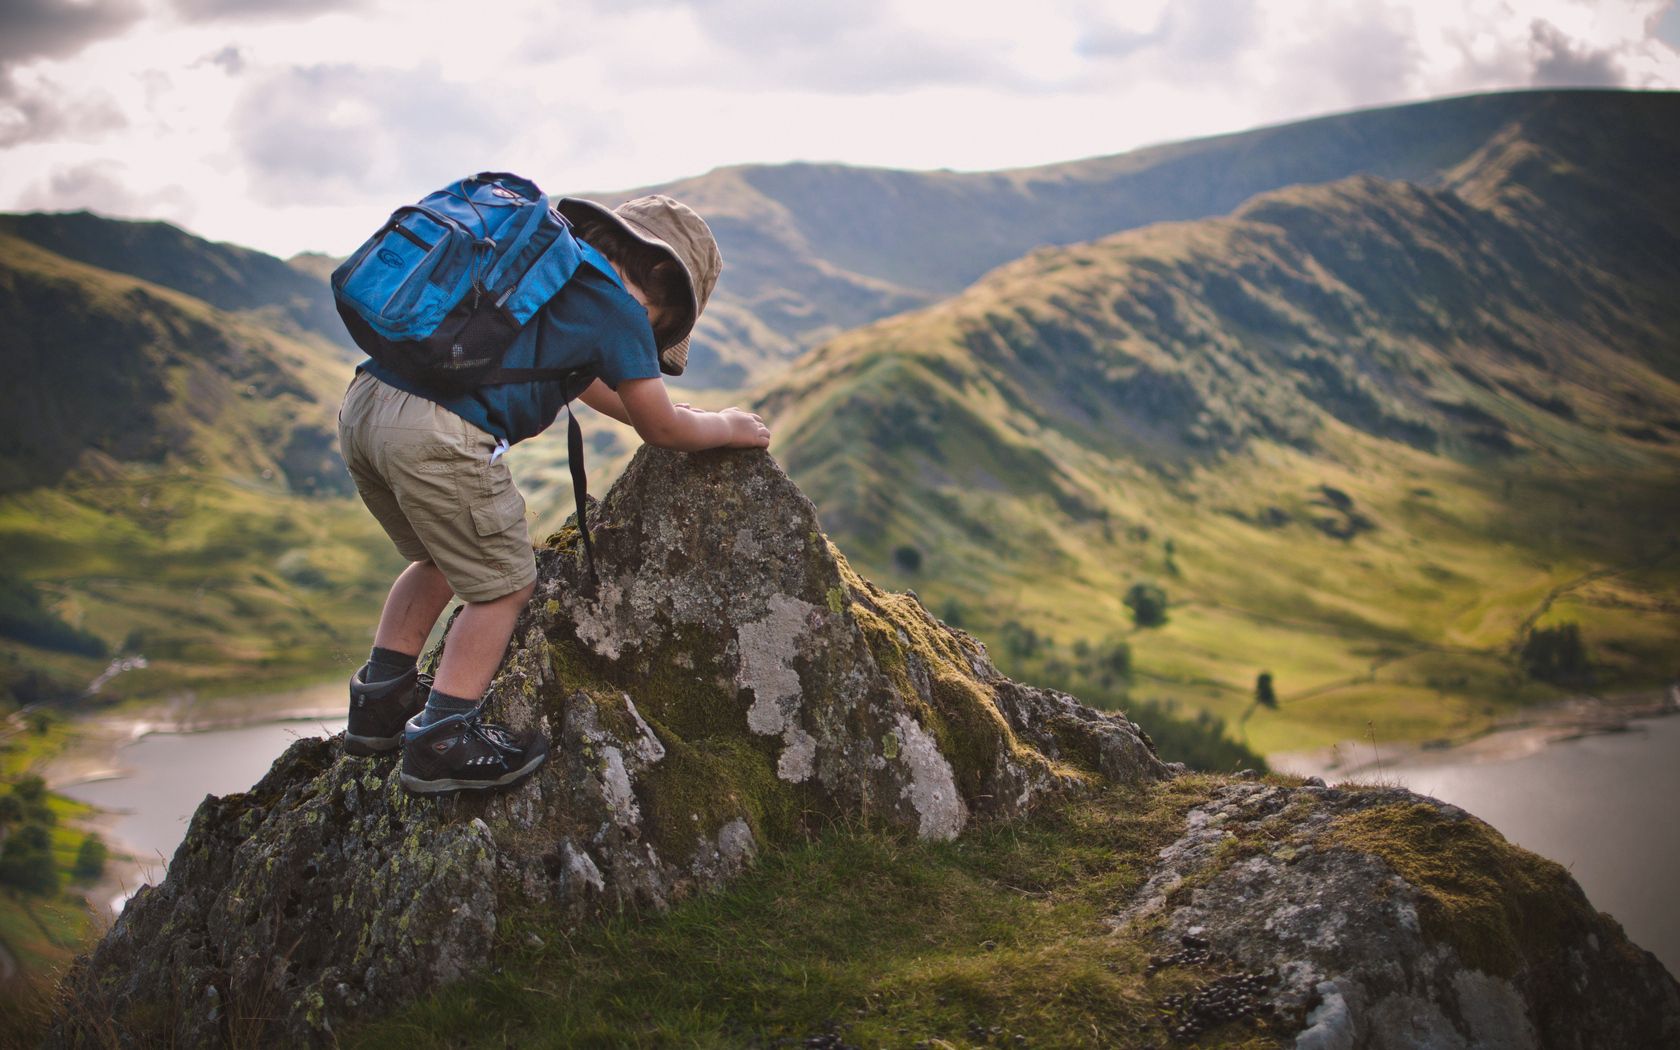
(430, 468)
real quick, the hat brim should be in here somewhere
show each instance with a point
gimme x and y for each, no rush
(674, 358)
(580, 211)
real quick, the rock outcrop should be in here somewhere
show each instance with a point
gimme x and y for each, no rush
(724, 683)
(728, 683)
(1377, 918)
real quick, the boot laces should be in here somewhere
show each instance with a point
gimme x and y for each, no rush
(497, 738)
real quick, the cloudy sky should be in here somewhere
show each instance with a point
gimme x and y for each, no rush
(297, 124)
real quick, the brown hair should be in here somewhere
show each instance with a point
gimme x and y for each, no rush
(652, 270)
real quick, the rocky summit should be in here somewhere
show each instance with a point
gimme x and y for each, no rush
(724, 684)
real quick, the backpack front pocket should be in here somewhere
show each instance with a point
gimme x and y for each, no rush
(404, 281)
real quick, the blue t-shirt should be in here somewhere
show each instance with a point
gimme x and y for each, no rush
(592, 323)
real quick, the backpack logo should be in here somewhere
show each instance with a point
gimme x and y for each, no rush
(389, 257)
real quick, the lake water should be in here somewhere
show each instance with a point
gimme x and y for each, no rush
(1603, 806)
(168, 775)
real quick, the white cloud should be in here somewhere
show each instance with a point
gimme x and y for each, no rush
(101, 186)
(34, 110)
(313, 132)
(288, 126)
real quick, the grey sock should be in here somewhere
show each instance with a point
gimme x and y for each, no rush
(441, 705)
(386, 664)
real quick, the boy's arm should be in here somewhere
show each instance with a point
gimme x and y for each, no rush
(661, 423)
(605, 400)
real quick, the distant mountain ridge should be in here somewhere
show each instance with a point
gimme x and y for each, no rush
(170, 484)
(225, 276)
(1313, 399)
(1497, 297)
(129, 371)
(814, 249)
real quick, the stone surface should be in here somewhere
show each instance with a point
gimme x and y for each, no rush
(728, 682)
(724, 683)
(1385, 920)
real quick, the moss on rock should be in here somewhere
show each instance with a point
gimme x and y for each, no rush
(724, 684)
(1498, 905)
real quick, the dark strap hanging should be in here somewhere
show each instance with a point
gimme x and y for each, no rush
(580, 490)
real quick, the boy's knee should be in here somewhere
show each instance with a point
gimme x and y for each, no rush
(517, 598)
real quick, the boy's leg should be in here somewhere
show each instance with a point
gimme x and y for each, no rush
(447, 746)
(446, 499)
(477, 642)
(417, 599)
(388, 690)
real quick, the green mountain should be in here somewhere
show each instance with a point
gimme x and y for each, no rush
(1366, 436)
(814, 249)
(170, 487)
(292, 298)
(1485, 308)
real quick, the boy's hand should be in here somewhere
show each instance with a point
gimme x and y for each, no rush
(684, 428)
(746, 429)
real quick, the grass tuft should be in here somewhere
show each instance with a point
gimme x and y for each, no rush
(881, 939)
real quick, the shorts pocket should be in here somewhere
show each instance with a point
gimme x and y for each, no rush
(429, 480)
(498, 513)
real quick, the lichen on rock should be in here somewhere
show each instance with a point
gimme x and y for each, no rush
(1383, 919)
(725, 683)
(728, 683)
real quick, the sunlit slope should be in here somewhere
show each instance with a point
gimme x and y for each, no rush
(110, 367)
(172, 489)
(293, 299)
(813, 249)
(1386, 428)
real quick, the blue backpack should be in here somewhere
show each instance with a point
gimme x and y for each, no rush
(439, 291)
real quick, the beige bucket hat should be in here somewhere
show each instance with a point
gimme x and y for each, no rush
(671, 226)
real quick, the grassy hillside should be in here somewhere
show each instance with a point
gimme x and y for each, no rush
(170, 487)
(294, 299)
(1365, 436)
(814, 249)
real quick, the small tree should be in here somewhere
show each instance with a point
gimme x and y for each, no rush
(90, 859)
(1264, 696)
(30, 788)
(908, 558)
(1019, 641)
(1555, 654)
(30, 793)
(26, 861)
(1148, 604)
(1114, 662)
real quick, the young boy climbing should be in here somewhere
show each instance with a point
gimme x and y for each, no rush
(430, 469)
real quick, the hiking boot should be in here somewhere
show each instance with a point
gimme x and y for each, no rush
(379, 710)
(462, 751)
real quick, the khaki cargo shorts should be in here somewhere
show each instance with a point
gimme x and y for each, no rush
(426, 474)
